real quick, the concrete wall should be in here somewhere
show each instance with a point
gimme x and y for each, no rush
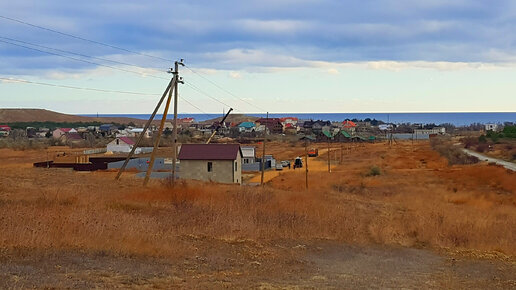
(223, 171)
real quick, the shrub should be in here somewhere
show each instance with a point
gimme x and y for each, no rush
(374, 171)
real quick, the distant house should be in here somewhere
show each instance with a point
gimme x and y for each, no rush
(248, 154)
(290, 129)
(273, 124)
(57, 133)
(318, 126)
(288, 120)
(247, 127)
(324, 136)
(121, 145)
(436, 130)
(348, 124)
(108, 129)
(343, 136)
(491, 127)
(211, 162)
(71, 138)
(4, 130)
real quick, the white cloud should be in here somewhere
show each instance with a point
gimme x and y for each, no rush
(235, 75)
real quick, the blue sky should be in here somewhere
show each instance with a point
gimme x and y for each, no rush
(282, 55)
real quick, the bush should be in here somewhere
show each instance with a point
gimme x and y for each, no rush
(374, 171)
(454, 154)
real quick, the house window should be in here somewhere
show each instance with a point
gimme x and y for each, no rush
(236, 166)
(117, 142)
(210, 167)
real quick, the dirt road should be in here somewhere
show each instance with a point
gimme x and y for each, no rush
(326, 265)
(482, 157)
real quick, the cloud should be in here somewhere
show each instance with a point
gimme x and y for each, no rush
(235, 75)
(253, 35)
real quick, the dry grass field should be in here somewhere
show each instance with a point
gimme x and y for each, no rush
(384, 217)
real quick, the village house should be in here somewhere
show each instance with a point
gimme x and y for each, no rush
(211, 162)
(108, 129)
(343, 136)
(491, 127)
(290, 129)
(273, 124)
(4, 130)
(248, 154)
(318, 126)
(57, 133)
(349, 126)
(324, 136)
(289, 120)
(246, 127)
(121, 145)
(436, 130)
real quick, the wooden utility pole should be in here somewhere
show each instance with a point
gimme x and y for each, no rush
(145, 128)
(263, 153)
(329, 156)
(306, 164)
(158, 138)
(174, 132)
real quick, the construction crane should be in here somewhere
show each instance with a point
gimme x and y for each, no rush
(219, 125)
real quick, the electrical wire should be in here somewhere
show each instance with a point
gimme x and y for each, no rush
(75, 88)
(84, 39)
(206, 94)
(81, 60)
(79, 54)
(224, 90)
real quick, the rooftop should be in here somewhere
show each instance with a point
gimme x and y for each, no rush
(209, 152)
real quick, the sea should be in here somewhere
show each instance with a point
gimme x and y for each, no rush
(457, 119)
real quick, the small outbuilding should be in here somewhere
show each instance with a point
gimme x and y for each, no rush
(211, 162)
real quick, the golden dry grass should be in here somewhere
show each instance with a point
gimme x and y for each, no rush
(416, 201)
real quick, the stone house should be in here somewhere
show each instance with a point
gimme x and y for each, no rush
(211, 162)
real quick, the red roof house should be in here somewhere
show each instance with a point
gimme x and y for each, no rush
(348, 124)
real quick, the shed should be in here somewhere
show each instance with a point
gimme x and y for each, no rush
(211, 162)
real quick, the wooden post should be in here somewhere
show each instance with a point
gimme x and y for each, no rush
(158, 138)
(263, 154)
(145, 128)
(306, 164)
(329, 156)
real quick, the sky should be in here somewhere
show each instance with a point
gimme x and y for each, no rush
(256, 56)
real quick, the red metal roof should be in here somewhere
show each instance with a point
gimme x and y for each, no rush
(127, 140)
(66, 130)
(209, 152)
(286, 118)
(5, 128)
(349, 124)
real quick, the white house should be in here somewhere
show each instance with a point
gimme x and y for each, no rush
(491, 127)
(248, 154)
(121, 145)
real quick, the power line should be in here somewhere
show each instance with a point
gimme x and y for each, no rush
(206, 94)
(84, 39)
(79, 54)
(224, 90)
(76, 88)
(81, 60)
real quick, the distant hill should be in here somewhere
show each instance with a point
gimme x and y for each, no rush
(41, 115)
(235, 118)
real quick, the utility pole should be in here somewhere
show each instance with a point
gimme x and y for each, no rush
(306, 165)
(145, 128)
(158, 138)
(174, 132)
(263, 153)
(329, 156)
